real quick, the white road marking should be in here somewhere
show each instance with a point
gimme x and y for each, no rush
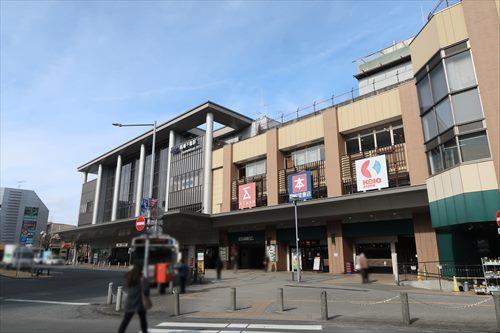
(41, 301)
(183, 324)
(167, 330)
(237, 325)
(285, 327)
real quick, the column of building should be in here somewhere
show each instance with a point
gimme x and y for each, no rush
(207, 165)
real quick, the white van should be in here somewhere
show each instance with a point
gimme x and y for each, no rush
(8, 254)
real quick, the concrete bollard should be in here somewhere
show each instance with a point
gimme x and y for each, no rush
(177, 304)
(119, 294)
(405, 308)
(118, 265)
(496, 300)
(110, 293)
(279, 302)
(324, 306)
(232, 299)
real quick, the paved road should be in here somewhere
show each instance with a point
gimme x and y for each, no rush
(66, 302)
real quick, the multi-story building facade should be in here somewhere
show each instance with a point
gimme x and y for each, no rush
(406, 171)
(23, 215)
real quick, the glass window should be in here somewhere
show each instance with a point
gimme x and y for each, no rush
(367, 142)
(474, 146)
(460, 71)
(308, 155)
(352, 145)
(430, 126)
(383, 138)
(438, 82)
(398, 135)
(467, 106)
(450, 153)
(255, 168)
(435, 160)
(443, 115)
(424, 94)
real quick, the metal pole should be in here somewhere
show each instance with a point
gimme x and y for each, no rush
(496, 300)
(233, 299)
(110, 293)
(119, 294)
(280, 304)
(324, 306)
(297, 252)
(177, 307)
(405, 308)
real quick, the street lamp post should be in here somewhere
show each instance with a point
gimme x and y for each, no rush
(295, 199)
(150, 194)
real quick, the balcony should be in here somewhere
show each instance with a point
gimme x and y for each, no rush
(318, 180)
(260, 191)
(397, 167)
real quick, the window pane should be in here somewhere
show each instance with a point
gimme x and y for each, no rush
(438, 83)
(352, 146)
(367, 142)
(429, 125)
(450, 153)
(474, 146)
(424, 94)
(467, 106)
(383, 138)
(443, 115)
(460, 71)
(435, 160)
(398, 135)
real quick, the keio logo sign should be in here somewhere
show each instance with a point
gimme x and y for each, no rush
(371, 173)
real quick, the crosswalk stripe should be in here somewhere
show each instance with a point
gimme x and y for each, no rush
(170, 330)
(183, 324)
(286, 327)
(42, 301)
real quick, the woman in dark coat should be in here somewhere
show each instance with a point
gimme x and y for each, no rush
(136, 286)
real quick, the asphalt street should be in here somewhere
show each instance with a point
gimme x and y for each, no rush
(71, 300)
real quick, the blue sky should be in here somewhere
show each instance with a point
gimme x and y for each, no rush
(70, 69)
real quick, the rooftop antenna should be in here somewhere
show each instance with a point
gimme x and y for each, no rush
(19, 182)
(422, 14)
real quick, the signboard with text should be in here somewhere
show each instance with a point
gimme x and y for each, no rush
(371, 173)
(28, 228)
(246, 196)
(299, 184)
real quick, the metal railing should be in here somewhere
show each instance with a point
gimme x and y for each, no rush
(439, 270)
(260, 191)
(442, 4)
(397, 167)
(318, 180)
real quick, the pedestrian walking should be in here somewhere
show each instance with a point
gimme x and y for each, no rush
(218, 266)
(363, 265)
(183, 271)
(234, 257)
(137, 298)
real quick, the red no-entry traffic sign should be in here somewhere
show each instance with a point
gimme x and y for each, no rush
(140, 223)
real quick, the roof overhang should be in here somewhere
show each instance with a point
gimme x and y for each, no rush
(185, 122)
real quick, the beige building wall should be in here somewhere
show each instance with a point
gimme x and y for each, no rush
(217, 158)
(333, 148)
(217, 189)
(369, 111)
(274, 162)
(445, 28)
(482, 20)
(426, 242)
(228, 174)
(249, 149)
(414, 137)
(302, 132)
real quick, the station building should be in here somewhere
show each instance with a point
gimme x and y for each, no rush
(405, 169)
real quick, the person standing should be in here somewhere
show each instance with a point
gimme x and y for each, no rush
(218, 266)
(183, 271)
(363, 265)
(138, 290)
(234, 257)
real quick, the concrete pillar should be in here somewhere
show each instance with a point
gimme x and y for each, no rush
(425, 241)
(334, 147)
(335, 247)
(85, 177)
(207, 166)
(228, 175)
(274, 163)
(116, 188)
(97, 194)
(140, 181)
(171, 144)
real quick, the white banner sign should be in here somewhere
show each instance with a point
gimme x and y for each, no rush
(371, 173)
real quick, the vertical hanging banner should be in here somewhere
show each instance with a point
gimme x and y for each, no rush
(300, 184)
(371, 173)
(246, 196)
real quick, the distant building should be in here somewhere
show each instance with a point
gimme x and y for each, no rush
(23, 215)
(54, 228)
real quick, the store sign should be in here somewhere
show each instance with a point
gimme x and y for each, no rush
(246, 196)
(28, 228)
(246, 239)
(186, 147)
(271, 253)
(299, 184)
(223, 250)
(371, 173)
(121, 244)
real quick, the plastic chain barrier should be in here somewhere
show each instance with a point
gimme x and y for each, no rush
(378, 302)
(465, 306)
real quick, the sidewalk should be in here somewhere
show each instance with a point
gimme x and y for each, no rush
(348, 301)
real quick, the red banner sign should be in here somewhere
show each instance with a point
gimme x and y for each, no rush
(246, 196)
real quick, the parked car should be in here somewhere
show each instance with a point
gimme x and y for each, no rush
(23, 258)
(54, 260)
(8, 254)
